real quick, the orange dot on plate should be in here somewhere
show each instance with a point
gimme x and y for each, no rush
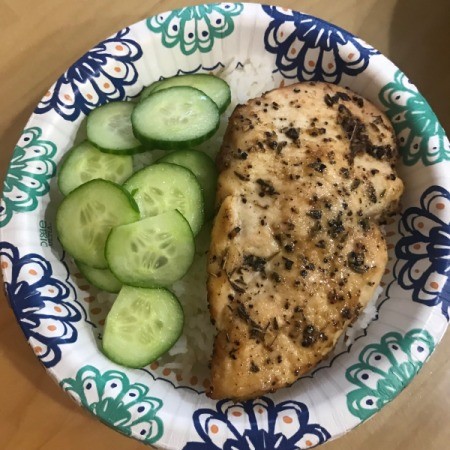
(119, 47)
(420, 225)
(206, 383)
(416, 270)
(51, 328)
(281, 33)
(89, 96)
(293, 51)
(260, 410)
(179, 377)
(47, 94)
(214, 429)
(96, 311)
(57, 309)
(32, 272)
(416, 246)
(194, 380)
(67, 97)
(308, 443)
(89, 299)
(434, 285)
(351, 55)
(166, 372)
(37, 349)
(330, 65)
(236, 413)
(4, 264)
(287, 419)
(117, 69)
(101, 322)
(106, 85)
(440, 206)
(51, 290)
(154, 366)
(311, 63)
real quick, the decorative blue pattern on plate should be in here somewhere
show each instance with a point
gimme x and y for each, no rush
(28, 175)
(423, 252)
(200, 69)
(118, 402)
(258, 424)
(102, 75)
(43, 305)
(308, 48)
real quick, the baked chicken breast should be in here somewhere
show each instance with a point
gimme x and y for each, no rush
(307, 175)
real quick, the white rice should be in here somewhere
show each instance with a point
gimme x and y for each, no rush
(366, 316)
(193, 349)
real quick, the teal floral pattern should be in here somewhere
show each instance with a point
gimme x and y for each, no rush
(117, 402)
(384, 369)
(195, 28)
(420, 135)
(28, 175)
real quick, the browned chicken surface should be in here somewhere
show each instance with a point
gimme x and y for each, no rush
(307, 174)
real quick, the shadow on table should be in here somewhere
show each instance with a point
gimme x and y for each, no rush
(420, 46)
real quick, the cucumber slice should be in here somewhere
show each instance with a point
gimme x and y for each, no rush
(142, 325)
(174, 118)
(165, 187)
(109, 128)
(86, 216)
(156, 251)
(84, 163)
(215, 88)
(102, 279)
(149, 89)
(203, 167)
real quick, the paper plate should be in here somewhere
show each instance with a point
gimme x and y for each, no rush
(62, 319)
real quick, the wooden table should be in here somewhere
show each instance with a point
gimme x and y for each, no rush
(39, 40)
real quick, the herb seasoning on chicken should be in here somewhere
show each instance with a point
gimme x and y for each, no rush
(296, 249)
